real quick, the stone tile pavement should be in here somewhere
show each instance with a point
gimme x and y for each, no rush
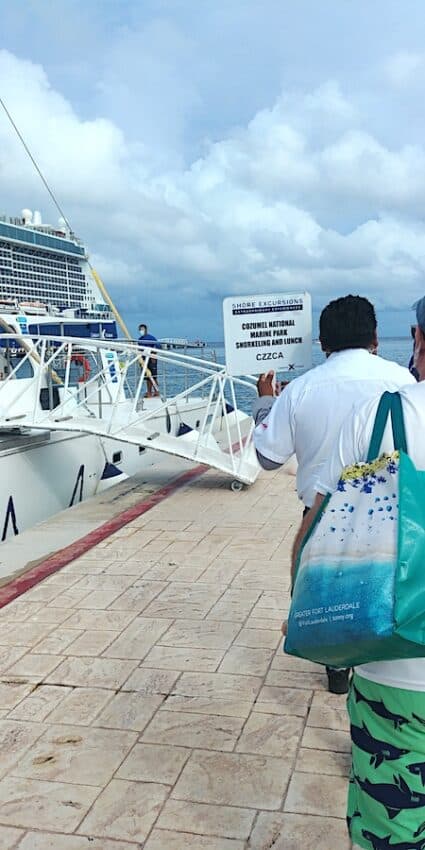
(145, 701)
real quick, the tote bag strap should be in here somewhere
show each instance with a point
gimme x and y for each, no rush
(389, 403)
(381, 417)
(397, 421)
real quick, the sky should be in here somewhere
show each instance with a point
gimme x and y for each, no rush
(224, 147)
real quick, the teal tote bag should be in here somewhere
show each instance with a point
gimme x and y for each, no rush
(359, 590)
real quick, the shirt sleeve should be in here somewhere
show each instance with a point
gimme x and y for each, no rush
(262, 407)
(260, 411)
(274, 435)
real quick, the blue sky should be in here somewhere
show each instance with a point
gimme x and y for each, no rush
(227, 147)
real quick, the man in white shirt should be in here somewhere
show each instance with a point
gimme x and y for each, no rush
(387, 678)
(307, 416)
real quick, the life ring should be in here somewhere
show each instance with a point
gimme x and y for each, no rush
(83, 361)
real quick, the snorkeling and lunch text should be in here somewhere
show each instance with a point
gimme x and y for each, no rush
(267, 334)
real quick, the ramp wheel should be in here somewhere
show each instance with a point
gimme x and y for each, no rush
(236, 486)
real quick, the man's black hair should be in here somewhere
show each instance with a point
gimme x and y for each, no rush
(348, 322)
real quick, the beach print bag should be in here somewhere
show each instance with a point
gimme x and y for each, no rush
(359, 591)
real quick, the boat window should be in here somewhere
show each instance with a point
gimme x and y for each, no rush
(84, 330)
(45, 329)
(109, 330)
(90, 330)
(20, 234)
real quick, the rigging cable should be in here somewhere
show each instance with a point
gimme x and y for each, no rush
(35, 164)
(65, 218)
(94, 273)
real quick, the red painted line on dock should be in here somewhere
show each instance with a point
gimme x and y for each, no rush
(60, 559)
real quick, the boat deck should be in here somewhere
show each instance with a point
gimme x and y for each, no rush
(144, 697)
(16, 441)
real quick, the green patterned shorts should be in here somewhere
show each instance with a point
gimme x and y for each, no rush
(386, 797)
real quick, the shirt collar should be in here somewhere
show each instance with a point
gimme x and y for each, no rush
(349, 352)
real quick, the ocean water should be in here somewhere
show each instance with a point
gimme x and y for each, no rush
(398, 349)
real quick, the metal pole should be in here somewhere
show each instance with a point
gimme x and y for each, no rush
(99, 381)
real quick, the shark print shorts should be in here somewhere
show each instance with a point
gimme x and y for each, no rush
(386, 797)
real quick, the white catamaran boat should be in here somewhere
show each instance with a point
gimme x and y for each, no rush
(73, 413)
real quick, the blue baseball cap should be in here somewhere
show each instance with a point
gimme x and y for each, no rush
(419, 306)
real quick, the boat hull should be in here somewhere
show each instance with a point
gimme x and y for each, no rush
(42, 473)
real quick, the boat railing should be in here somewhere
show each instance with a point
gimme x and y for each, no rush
(101, 386)
(174, 373)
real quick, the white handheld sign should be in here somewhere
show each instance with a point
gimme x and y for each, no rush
(263, 332)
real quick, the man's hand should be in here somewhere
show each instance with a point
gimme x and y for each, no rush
(302, 531)
(266, 384)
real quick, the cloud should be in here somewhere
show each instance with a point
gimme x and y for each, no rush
(403, 67)
(77, 156)
(301, 196)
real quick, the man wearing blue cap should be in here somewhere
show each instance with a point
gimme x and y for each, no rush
(380, 682)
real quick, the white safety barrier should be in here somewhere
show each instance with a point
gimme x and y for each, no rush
(100, 387)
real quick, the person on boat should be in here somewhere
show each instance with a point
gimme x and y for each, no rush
(147, 339)
(386, 704)
(307, 416)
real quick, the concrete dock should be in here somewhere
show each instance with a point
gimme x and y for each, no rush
(145, 701)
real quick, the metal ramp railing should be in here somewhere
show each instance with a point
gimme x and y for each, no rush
(99, 387)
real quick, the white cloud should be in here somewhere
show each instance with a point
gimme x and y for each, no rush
(302, 196)
(356, 165)
(403, 67)
(79, 157)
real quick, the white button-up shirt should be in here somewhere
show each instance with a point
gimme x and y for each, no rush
(307, 417)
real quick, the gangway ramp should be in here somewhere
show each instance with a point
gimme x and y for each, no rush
(99, 387)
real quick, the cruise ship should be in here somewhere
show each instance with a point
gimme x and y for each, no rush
(41, 263)
(74, 414)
